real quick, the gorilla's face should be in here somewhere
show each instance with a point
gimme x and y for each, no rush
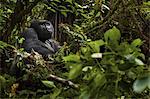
(47, 26)
(44, 29)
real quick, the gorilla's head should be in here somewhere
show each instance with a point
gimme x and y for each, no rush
(44, 29)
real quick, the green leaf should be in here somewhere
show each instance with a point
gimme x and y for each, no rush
(64, 13)
(75, 71)
(21, 40)
(72, 58)
(57, 0)
(99, 80)
(62, 7)
(56, 93)
(46, 97)
(112, 34)
(137, 42)
(140, 84)
(49, 8)
(98, 14)
(3, 45)
(49, 84)
(96, 44)
(70, 1)
(2, 82)
(138, 61)
(84, 95)
(85, 15)
(129, 57)
(149, 81)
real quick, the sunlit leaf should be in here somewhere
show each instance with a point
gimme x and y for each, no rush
(137, 42)
(140, 84)
(95, 45)
(85, 15)
(62, 7)
(129, 57)
(57, 0)
(138, 61)
(21, 40)
(64, 13)
(70, 1)
(3, 45)
(50, 8)
(75, 71)
(98, 14)
(112, 34)
(49, 84)
(72, 58)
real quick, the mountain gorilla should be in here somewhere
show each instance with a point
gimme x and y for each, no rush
(39, 38)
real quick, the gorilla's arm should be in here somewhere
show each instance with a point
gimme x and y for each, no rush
(50, 43)
(37, 46)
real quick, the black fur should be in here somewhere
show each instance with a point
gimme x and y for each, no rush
(32, 42)
(44, 29)
(39, 38)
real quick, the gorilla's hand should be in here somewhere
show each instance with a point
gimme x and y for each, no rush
(52, 44)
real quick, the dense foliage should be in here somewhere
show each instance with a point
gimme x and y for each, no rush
(105, 52)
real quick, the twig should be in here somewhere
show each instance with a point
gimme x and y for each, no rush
(107, 18)
(16, 18)
(62, 80)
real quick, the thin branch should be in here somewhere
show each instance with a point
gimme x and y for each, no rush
(16, 18)
(62, 80)
(108, 17)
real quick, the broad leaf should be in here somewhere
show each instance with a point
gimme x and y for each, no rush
(113, 35)
(137, 42)
(72, 58)
(100, 80)
(95, 45)
(140, 84)
(138, 61)
(75, 71)
(49, 84)
(70, 1)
